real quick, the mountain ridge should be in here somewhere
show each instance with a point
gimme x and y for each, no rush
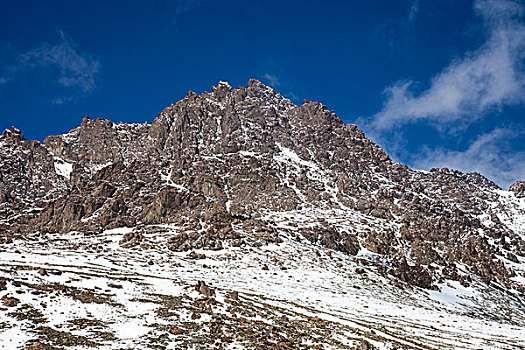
(249, 221)
(239, 153)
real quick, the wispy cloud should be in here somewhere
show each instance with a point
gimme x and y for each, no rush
(398, 33)
(62, 100)
(183, 6)
(74, 71)
(271, 79)
(479, 83)
(470, 86)
(293, 97)
(414, 9)
(490, 154)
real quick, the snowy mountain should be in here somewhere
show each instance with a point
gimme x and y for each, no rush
(240, 220)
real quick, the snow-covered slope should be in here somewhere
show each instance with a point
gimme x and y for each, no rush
(81, 291)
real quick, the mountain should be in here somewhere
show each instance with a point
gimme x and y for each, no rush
(244, 174)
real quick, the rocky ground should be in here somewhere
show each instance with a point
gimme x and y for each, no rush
(80, 291)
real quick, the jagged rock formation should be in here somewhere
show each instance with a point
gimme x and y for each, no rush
(28, 180)
(247, 167)
(518, 188)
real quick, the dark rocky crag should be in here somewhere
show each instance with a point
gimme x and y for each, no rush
(227, 165)
(28, 180)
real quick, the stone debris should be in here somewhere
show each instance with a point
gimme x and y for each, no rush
(204, 289)
(10, 301)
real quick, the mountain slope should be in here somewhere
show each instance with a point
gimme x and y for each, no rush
(240, 168)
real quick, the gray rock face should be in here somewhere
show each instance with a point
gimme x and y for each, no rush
(28, 180)
(518, 188)
(227, 165)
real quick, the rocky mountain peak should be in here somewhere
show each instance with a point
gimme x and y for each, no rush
(13, 135)
(222, 87)
(246, 167)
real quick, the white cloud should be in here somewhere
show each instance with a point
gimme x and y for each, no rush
(74, 71)
(480, 81)
(489, 155)
(457, 99)
(271, 79)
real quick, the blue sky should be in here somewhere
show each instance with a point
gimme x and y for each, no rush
(435, 83)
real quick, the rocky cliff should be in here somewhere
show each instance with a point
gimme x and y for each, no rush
(247, 167)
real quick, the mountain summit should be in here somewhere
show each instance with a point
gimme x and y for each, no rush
(246, 168)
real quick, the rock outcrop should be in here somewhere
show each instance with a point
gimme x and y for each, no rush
(518, 188)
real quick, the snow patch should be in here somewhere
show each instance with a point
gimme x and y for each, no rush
(62, 168)
(452, 293)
